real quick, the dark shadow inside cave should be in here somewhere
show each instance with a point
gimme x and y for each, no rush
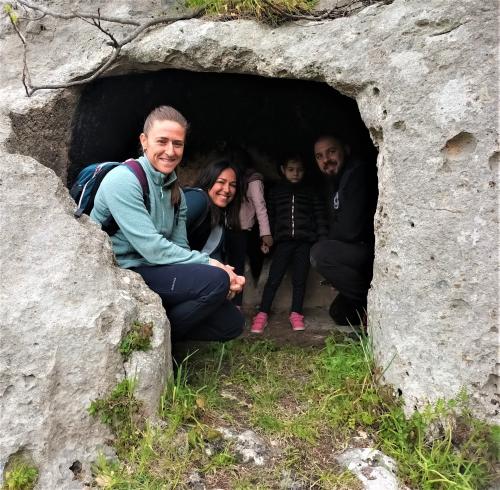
(270, 117)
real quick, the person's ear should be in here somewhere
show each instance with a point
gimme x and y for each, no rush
(143, 139)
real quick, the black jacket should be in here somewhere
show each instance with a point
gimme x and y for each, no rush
(296, 212)
(351, 203)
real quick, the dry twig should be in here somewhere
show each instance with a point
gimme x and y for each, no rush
(116, 45)
(95, 20)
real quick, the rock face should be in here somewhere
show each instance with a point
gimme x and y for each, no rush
(65, 309)
(425, 82)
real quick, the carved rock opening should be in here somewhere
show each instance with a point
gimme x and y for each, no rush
(271, 118)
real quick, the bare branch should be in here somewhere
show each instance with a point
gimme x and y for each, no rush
(76, 15)
(88, 78)
(95, 20)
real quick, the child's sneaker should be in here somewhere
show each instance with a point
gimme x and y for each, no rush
(297, 321)
(259, 322)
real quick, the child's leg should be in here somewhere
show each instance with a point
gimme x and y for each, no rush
(282, 256)
(300, 271)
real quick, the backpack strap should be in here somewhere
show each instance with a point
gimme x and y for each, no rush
(110, 226)
(214, 241)
(139, 172)
(198, 205)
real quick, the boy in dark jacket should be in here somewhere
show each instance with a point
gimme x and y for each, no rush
(297, 221)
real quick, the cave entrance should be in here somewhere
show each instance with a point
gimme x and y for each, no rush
(270, 118)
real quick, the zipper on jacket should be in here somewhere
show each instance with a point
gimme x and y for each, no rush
(293, 215)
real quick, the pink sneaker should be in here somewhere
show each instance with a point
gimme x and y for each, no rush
(259, 322)
(297, 321)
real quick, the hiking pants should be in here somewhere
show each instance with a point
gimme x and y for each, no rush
(296, 253)
(194, 297)
(347, 266)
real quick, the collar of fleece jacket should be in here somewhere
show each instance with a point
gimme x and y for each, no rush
(155, 176)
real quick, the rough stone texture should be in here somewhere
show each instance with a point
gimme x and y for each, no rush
(424, 77)
(65, 309)
(248, 446)
(375, 470)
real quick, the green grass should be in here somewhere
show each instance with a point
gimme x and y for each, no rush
(138, 338)
(120, 411)
(307, 404)
(270, 11)
(20, 474)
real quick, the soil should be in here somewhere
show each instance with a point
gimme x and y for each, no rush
(318, 323)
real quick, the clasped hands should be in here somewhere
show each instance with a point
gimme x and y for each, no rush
(236, 282)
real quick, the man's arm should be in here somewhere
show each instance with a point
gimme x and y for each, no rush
(353, 213)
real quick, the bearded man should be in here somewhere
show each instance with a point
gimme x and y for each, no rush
(345, 259)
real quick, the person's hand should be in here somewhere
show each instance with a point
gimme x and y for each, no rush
(268, 241)
(264, 248)
(236, 283)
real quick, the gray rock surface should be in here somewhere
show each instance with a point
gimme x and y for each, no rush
(425, 80)
(65, 309)
(375, 470)
(248, 446)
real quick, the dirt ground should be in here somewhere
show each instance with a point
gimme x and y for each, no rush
(318, 323)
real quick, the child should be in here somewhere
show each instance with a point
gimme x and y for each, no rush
(297, 220)
(253, 206)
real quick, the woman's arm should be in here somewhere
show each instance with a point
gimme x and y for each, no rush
(121, 193)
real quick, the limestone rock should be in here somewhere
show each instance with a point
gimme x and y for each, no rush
(425, 80)
(375, 470)
(249, 447)
(65, 308)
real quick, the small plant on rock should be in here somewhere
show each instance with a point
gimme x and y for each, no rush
(120, 411)
(137, 338)
(20, 474)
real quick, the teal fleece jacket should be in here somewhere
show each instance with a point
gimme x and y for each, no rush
(144, 238)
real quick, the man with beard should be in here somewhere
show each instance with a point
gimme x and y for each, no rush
(345, 259)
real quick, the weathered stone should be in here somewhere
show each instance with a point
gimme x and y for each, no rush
(425, 80)
(249, 447)
(420, 86)
(375, 470)
(65, 309)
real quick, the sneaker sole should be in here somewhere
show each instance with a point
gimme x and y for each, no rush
(258, 331)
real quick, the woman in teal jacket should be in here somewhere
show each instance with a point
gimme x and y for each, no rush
(195, 289)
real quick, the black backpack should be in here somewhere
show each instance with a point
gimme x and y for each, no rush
(88, 181)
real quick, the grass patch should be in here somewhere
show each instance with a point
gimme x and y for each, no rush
(442, 446)
(307, 404)
(272, 12)
(120, 411)
(138, 338)
(20, 474)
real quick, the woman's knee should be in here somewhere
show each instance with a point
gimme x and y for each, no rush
(218, 281)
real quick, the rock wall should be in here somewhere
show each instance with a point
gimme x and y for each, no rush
(65, 309)
(425, 81)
